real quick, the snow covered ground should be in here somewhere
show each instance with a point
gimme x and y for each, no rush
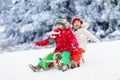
(102, 63)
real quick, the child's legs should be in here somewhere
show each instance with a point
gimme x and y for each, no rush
(66, 58)
(76, 55)
(49, 57)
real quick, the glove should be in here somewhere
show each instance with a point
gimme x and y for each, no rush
(75, 44)
(37, 43)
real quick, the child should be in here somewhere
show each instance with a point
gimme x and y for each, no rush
(65, 41)
(82, 35)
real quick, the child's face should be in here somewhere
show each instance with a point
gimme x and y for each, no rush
(58, 26)
(76, 24)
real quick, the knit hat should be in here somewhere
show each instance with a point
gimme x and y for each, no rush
(60, 20)
(76, 19)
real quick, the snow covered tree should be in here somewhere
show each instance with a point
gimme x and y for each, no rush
(25, 21)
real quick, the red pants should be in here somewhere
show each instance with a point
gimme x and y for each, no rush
(76, 55)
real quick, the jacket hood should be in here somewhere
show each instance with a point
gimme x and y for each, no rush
(85, 25)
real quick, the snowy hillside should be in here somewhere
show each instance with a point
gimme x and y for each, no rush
(102, 63)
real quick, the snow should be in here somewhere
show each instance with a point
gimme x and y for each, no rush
(102, 63)
(2, 29)
(26, 28)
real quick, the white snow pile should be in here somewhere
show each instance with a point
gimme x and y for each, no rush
(102, 63)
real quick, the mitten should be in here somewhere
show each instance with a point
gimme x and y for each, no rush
(37, 43)
(75, 44)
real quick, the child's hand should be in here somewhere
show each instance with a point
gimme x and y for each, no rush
(97, 40)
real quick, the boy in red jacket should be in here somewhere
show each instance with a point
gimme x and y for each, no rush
(65, 42)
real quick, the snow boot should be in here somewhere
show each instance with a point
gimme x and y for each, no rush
(34, 68)
(62, 67)
(73, 64)
(83, 59)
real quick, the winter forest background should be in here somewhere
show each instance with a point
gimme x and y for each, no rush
(24, 21)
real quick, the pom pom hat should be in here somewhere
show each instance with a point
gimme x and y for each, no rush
(76, 19)
(60, 20)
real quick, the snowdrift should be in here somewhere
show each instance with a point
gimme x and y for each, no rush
(102, 63)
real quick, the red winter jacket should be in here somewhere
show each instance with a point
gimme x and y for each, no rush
(65, 41)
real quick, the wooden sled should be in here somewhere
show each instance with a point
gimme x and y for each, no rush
(55, 62)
